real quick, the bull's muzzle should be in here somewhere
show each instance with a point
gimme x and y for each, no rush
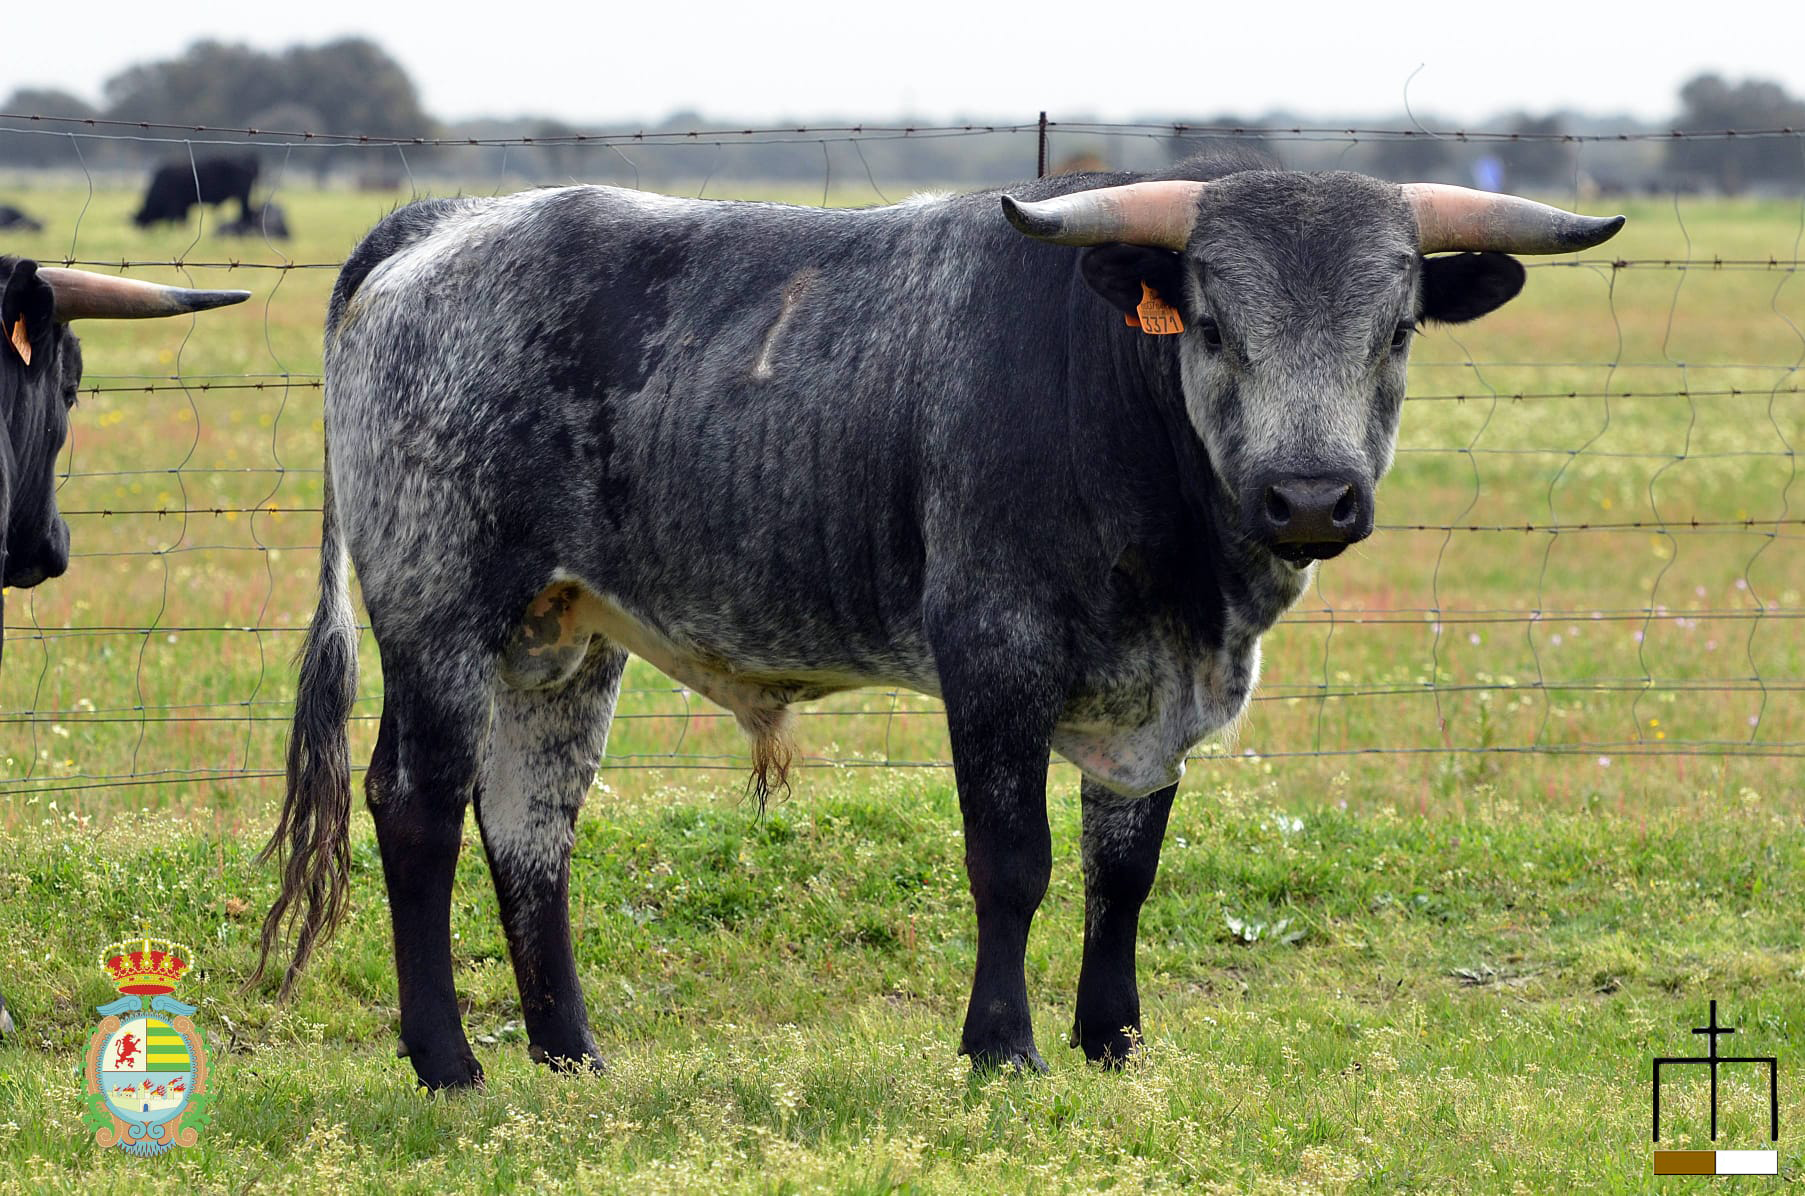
(28, 565)
(1304, 519)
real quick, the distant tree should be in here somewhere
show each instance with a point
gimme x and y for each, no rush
(212, 83)
(289, 116)
(48, 101)
(1709, 104)
(356, 88)
(27, 142)
(348, 86)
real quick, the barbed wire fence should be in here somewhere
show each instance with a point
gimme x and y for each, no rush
(1587, 556)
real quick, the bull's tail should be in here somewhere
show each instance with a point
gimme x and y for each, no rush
(312, 841)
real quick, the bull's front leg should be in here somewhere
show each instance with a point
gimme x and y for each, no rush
(1001, 705)
(1121, 842)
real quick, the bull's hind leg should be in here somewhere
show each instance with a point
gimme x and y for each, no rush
(420, 779)
(544, 747)
(1121, 843)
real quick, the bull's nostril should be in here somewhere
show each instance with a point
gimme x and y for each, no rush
(1278, 511)
(1346, 508)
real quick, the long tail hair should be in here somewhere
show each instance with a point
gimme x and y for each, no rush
(312, 841)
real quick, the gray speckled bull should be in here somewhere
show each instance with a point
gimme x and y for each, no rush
(780, 452)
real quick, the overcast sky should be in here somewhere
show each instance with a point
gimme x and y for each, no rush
(613, 62)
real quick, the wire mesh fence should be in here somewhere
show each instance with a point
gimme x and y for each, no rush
(1586, 573)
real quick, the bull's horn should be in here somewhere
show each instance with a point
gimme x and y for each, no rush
(1157, 214)
(1450, 217)
(81, 295)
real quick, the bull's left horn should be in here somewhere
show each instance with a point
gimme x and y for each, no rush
(1449, 217)
(1158, 214)
(81, 295)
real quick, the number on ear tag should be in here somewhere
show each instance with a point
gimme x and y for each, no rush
(1154, 316)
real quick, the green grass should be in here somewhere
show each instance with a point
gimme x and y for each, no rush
(1493, 945)
(1473, 1003)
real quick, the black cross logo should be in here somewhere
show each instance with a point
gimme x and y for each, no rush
(1712, 1060)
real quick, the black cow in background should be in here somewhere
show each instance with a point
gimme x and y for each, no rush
(40, 368)
(15, 220)
(177, 186)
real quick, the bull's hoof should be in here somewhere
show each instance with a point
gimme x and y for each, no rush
(1017, 1059)
(588, 1062)
(1111, 1049)
(465, 1072)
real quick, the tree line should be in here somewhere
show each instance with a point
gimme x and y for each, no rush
(353, 86)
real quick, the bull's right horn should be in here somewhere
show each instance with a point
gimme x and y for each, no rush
(1159, 214)
(81, 295)
(1449, 217)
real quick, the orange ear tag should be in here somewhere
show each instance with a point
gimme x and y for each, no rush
(1156, 317)
(21, 342)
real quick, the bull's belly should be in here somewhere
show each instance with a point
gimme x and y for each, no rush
(1130, 735)
(560, 624)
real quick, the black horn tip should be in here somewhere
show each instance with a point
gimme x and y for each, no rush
(202, 300)
(1035, 224)
(1592, 230)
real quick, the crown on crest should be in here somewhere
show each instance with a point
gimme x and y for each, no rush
(144, 967)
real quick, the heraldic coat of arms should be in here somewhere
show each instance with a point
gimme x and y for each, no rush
(146, 1071)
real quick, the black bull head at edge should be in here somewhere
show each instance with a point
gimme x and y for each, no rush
(40, 370)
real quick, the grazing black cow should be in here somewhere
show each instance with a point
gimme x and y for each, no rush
(15, 220)
(40, 368)
(780, 452)
(269, 220)
(176, 187)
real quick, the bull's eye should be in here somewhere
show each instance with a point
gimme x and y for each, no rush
(1211, 333)
(1401, 337)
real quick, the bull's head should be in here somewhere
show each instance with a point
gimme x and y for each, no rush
(40, 368)
(1300, 295)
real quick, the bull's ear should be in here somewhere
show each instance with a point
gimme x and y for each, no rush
(27, 310)
(1116, 272)
(1464, 286)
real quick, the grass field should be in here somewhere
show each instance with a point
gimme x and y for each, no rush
(1455, 955)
